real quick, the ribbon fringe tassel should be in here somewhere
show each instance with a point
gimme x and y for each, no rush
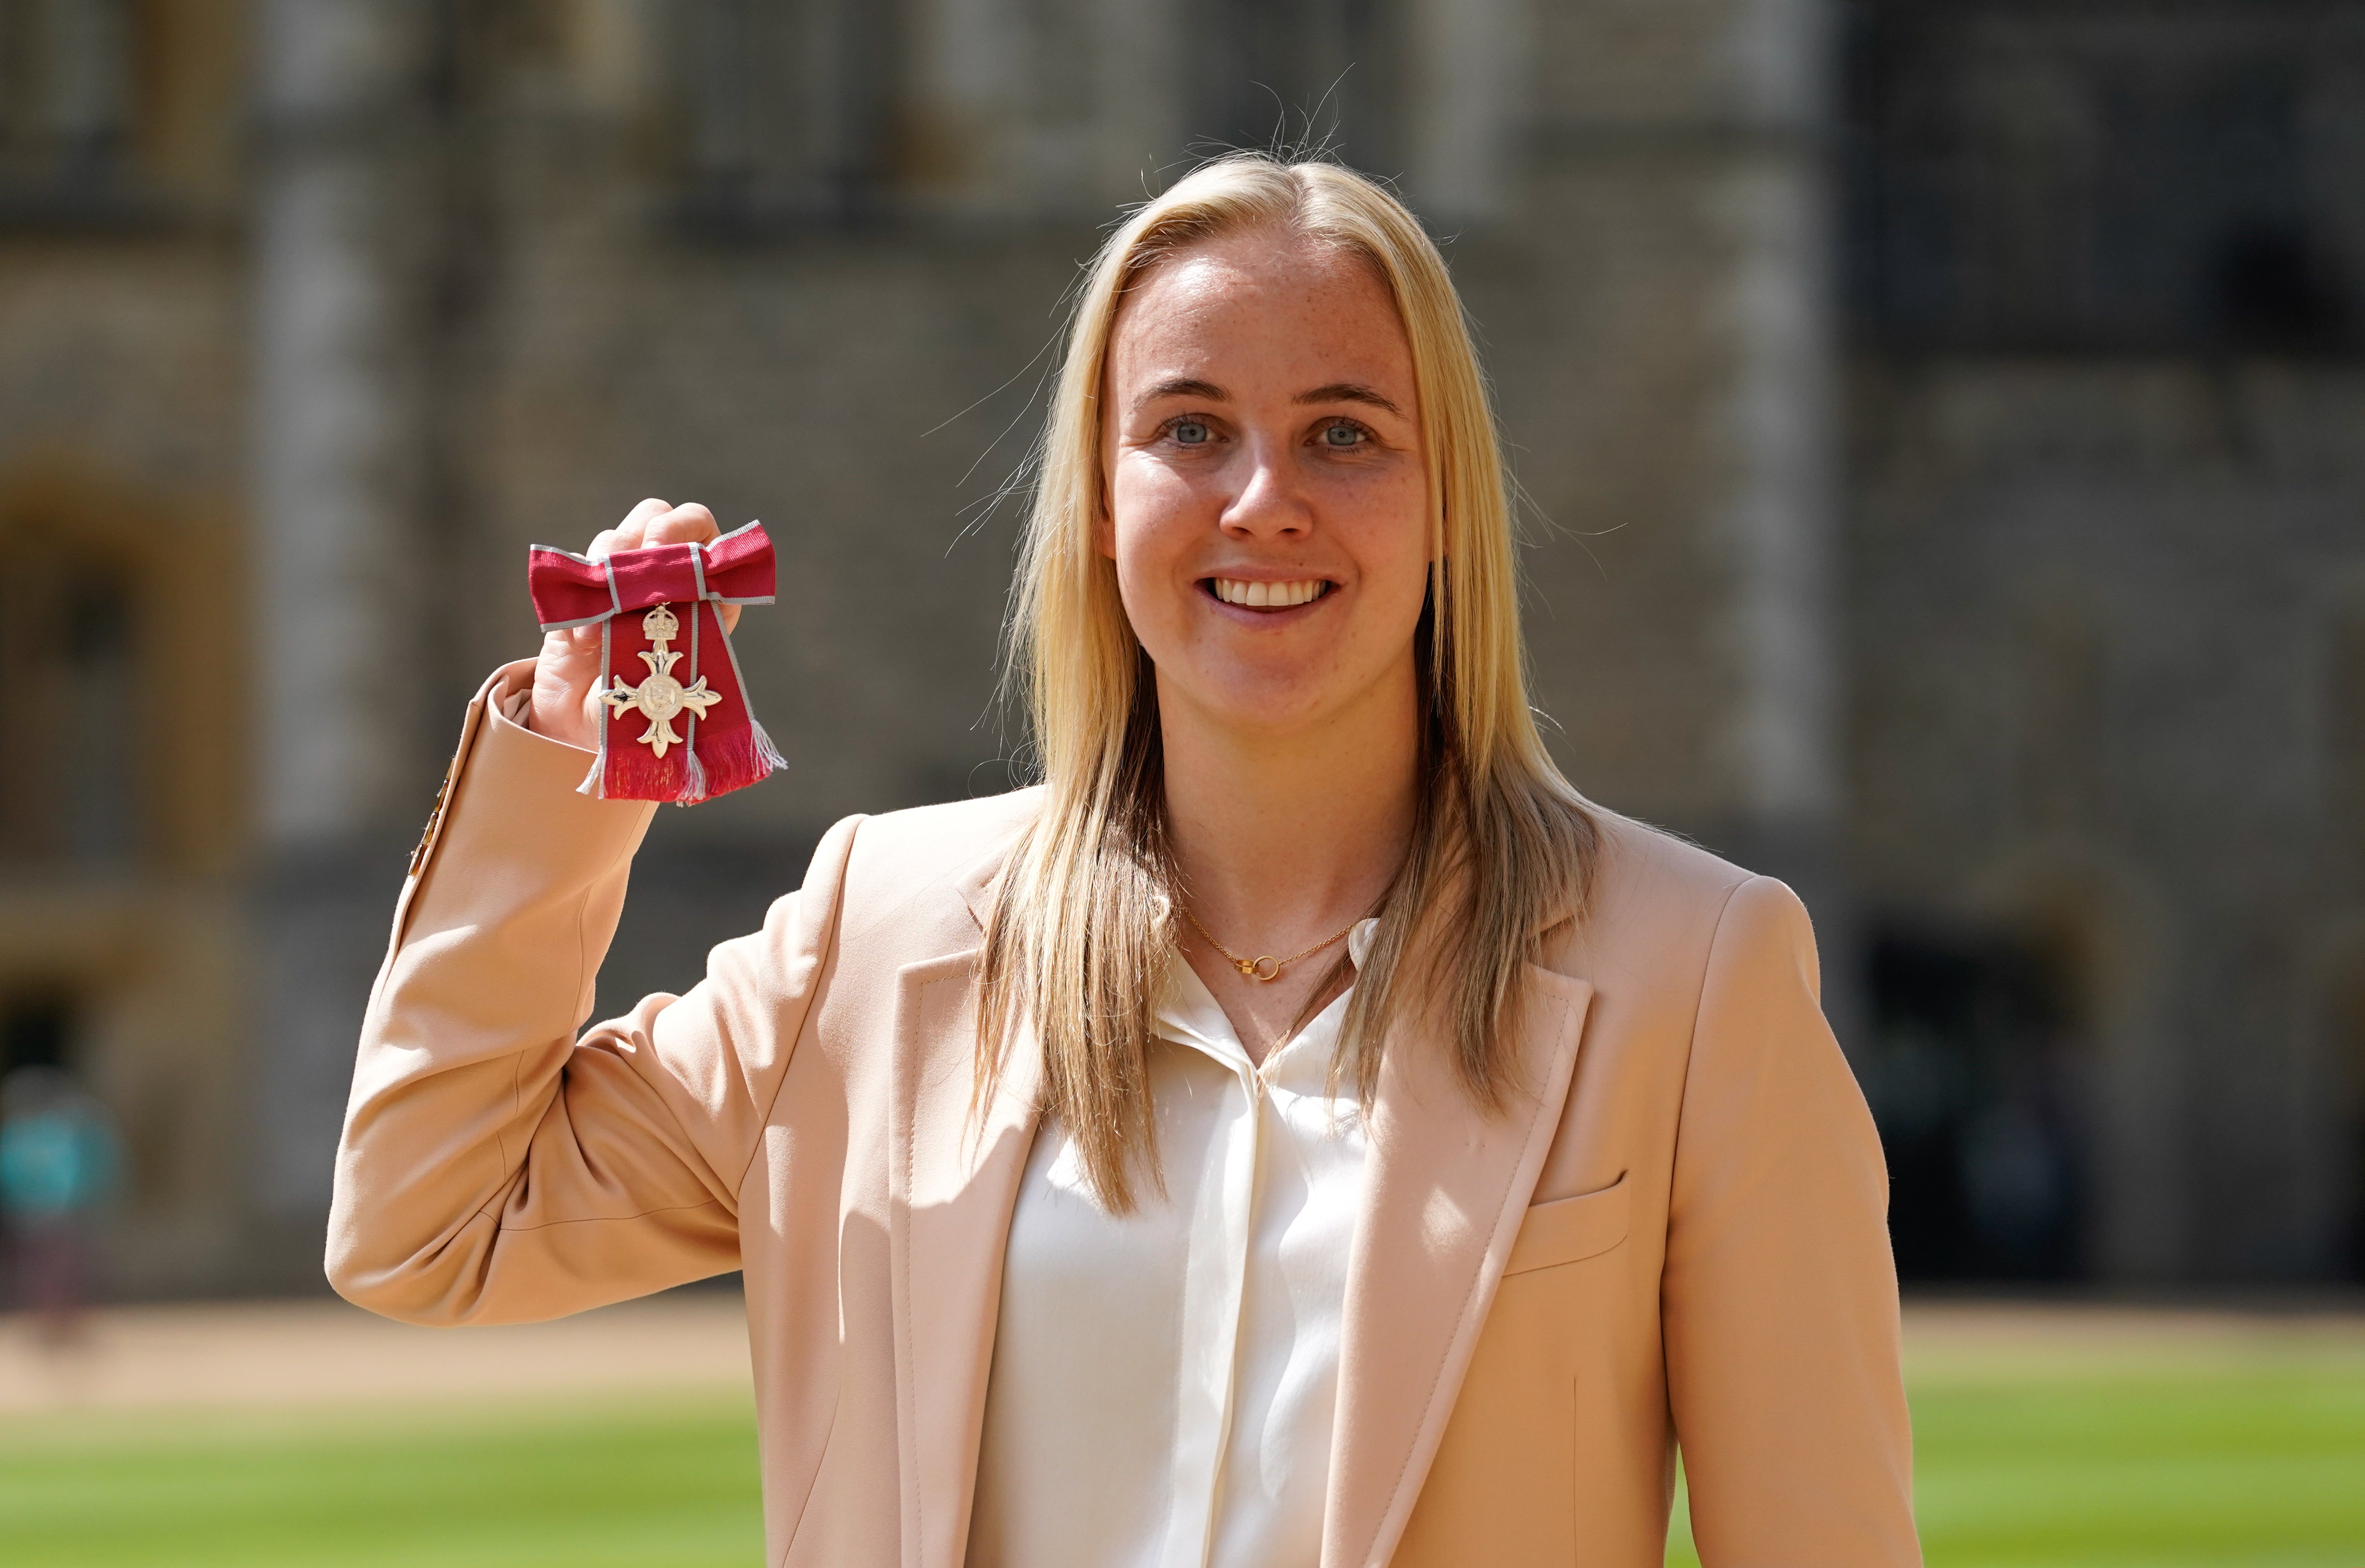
(713, 764)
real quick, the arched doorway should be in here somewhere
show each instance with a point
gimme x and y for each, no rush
(121, 915)
(2348, 1032)
(1976, 1080)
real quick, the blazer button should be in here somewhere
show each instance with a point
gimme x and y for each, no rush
(435, 820)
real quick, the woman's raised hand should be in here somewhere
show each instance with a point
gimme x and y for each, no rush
(565, 708)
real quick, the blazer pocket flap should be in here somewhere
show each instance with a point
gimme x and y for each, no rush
(1566, 1229)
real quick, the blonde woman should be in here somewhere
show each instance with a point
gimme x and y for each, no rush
(1300, 1131)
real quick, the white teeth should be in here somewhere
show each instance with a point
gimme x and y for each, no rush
(1233, 590)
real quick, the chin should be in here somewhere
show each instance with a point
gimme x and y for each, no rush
(1267, 704)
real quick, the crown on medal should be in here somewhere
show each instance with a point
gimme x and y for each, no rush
(659, 626)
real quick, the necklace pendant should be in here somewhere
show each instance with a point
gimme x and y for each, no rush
(1266, 968)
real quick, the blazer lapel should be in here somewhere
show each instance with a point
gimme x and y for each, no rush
(1446, 1191)
(952, 1182)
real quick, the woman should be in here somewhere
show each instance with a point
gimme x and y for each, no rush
(1300, 1130)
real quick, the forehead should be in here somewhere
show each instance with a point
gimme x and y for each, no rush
(1275, 303)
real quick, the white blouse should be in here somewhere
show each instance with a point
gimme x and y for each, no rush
(1164, 1382)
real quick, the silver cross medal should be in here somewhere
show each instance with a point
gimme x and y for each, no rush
(660, 697)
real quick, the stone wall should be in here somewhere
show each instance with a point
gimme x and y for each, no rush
(2042, 687)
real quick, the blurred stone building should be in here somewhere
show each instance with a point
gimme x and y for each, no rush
(1943, 428)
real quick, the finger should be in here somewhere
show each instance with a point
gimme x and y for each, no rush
(687, 524)
(633, 532)
(570, 642)
(729, 613)
(603, 544)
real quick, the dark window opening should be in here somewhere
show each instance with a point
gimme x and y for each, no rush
(2352, 1030)
(99, 818)
(787, 112)
(70, 718)
(2342, 836)
(1972, 1082)
(2343, 797)
(1310, 76)
(35, 1030)
(2268, 288)
(67, 101)
(2095, 179)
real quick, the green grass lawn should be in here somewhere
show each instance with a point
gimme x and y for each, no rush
(648, 1486)
(2246, 1455)
(2240, 1455)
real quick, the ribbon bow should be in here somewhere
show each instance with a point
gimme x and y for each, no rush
(644, 601)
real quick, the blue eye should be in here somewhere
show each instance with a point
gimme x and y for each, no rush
(1190, 433)
(1342, 434)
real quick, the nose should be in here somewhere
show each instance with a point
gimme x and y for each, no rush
(1270, 505)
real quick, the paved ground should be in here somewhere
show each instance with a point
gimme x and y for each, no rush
(283, 1354)
(1952, 1340)
(292, 1354)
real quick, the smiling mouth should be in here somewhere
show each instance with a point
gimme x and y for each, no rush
(1266, 596)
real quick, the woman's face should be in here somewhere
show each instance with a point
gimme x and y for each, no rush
(1265, 490)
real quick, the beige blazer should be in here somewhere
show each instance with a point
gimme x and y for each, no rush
(1677, 1234)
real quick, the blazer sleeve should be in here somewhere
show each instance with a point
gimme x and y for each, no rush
(1779, 1296)
(496, 1169)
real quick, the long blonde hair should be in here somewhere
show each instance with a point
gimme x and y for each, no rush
(1083, 922)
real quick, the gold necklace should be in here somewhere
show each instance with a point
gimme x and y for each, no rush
(1265, 967)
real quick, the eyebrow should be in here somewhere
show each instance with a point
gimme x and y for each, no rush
(1346, 392)
(1182, 387)
(1335, 392)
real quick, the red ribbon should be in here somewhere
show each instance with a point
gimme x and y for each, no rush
(674, 721)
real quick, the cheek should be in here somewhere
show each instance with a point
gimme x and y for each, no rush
(1406, 589)
(1149, 522)
(1394, 546)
